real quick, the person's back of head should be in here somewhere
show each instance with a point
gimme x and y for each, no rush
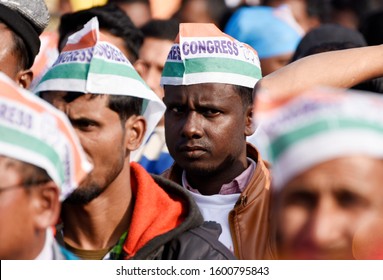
(371, 27)
(111, 19)
(138, 10)
(349, 13)
(161, 29)
(328, 37)
(332, 37)
(200, 11)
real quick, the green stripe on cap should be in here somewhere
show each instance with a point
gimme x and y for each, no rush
(213, 64)
(16, 138)
(100, 66)
(173, 69)
(282, 143)
(67, 71)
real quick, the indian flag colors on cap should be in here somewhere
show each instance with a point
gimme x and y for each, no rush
(320, 125)
(33, 131)
(89, 64)
(204, 54)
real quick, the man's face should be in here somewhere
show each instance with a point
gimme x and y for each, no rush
(101, 135)
(16, 214)
(153, 54)
(205, 128)
(325, 212)
(8, 60)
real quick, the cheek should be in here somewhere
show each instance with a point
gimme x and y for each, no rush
(368, 239)
(16, 221)
(291, 222)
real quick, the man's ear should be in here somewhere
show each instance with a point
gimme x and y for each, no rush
(24, 78)
(46, 205)
(135, 128)
(140, 67)
(250, 127)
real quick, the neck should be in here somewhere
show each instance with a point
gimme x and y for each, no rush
(100, 223)
(210, 183)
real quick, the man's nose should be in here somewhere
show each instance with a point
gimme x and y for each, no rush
(192, 128)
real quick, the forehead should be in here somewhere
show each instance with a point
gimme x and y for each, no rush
(206, 92)
(8, 61)
(154, 48)
(359, 174)
(10, 171)
(70, 102)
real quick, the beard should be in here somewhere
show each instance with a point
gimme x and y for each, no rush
(84, 195)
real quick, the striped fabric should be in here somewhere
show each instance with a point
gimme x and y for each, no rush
(33, 131)
(204, 54)
(320, 125)
(90, 65)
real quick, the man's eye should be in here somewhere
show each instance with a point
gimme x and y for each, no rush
(83, 124)
(348, 199)
(301, 198)
(176, 109)
(211, 112)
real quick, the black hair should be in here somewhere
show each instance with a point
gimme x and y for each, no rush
(372, 85)
(20, 50)
(111, 18)
(371, 27)
(161, 29)
(246, 95)
(125, 106)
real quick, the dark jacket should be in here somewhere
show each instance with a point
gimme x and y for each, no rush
(192, 239)
(249, 220)
(166, 224)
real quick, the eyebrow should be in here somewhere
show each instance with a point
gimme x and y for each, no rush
(80, 120)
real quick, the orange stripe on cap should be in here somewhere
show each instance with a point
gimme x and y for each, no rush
(87, 41)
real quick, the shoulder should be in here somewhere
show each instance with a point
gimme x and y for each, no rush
(199, 243)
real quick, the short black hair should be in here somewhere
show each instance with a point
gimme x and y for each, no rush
(371, 27)
(111, 18)
(124, 105)
(165, 29)
(20, 50)
(246, 95)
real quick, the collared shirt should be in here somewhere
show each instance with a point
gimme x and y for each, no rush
(217, 207)
(236, 186)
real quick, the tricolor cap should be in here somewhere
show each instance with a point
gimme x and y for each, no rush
(90, 65)
(320, 125)
(33, 131)
(204, 54)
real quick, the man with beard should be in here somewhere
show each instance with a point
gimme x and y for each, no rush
(208, 81)
(120, 211)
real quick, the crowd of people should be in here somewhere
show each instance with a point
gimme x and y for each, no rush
(195, 130)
